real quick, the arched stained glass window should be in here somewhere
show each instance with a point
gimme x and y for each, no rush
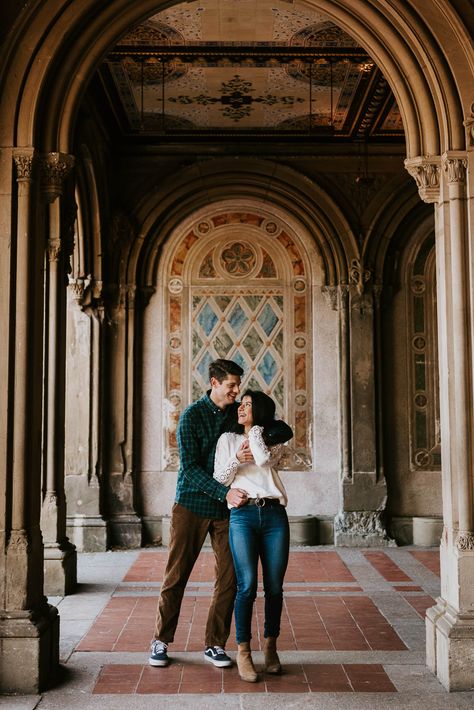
(236, 288)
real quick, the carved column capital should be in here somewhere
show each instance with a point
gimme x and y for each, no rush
(78, 287)
(469, 125)
(54, 167)
(455, 166)
(337, 297)
(426, 171)
(24, 161)
(330, 294)
(358, 275)
(465, 540)
(54, 249)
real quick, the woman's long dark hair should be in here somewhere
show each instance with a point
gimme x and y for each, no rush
(263, 410)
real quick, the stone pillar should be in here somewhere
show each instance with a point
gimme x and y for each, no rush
(29, 627)
(86, 526)
(125, 527)
(360, 520)
(60, 563)
(450, 623)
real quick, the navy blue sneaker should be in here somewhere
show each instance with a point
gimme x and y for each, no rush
(158, 654)
(217, 656)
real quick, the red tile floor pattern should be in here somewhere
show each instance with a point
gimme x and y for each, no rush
(318, 614)
(429, 558)
(308, 623)
(179, 678)
(303, 567)
(386, 567)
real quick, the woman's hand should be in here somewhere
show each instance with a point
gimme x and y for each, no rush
(244, 455)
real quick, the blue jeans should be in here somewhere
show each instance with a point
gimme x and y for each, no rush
(259, 533)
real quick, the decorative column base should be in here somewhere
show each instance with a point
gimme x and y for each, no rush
(453, 634)
(60, 570)
(361, 529)
(125, 531)
(88, 533)
(29, 661)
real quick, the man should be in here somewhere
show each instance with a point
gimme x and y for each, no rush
(200, 508)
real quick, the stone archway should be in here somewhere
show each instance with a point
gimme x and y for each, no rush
(429, 61)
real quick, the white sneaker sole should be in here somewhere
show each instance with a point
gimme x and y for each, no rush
(158, 664)
(218, 664)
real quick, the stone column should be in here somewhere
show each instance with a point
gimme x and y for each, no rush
(450, 623)
(86, 526)
(360, 520)
(29, 627)
(125, 527)
(60, 563)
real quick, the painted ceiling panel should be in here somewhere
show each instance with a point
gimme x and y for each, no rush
(248, 66)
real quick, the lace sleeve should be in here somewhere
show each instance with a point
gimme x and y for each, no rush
(225, 464)
(263, 454)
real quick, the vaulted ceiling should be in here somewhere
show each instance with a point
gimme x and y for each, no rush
(247, 68)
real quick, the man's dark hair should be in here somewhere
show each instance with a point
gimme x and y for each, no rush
(220, 369)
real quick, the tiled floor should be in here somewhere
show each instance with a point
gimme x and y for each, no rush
(325, 609)
(352, 636)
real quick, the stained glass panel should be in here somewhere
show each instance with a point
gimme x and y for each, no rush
(207, 319)
(237, 319)
(268, 319)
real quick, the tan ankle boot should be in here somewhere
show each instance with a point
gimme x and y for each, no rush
(245, 664)
(272, 662)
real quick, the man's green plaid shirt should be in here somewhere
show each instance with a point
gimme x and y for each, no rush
(199, 428)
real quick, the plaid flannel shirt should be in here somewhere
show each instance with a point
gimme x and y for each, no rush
(199, 428)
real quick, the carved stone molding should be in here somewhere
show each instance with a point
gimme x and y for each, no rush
(455, 165)
(358, 276)
(330, 293)
(19, 542)
(24, 161)
(469, 124)
(54, 168)
(465, 540)
(54, 249)
(426, 171)
(87, 292)
(360, 523)
(78, 287)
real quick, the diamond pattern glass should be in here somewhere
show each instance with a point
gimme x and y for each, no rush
(268, 319)
(253, 343)
(267, 367)
(222, 343)
(207, 319)
(203, 366)
(238, 319)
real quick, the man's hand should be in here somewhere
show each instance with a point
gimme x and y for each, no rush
(236, 497)
(244, 454)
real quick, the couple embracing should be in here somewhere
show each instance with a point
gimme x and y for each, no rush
(228, 454)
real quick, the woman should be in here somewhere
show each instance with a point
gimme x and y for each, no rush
(258, 528)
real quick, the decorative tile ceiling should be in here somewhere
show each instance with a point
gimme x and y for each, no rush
(246, 67)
